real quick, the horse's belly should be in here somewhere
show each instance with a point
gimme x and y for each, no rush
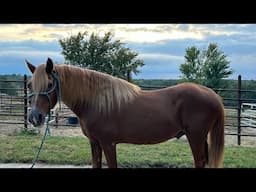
(151, 120)
(148, 133)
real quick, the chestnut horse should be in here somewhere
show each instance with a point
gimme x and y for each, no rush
(112, 111)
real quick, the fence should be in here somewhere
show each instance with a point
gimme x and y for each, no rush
(249, 114)
(15, 107)
(13, 104)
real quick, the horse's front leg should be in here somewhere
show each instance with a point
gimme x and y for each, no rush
(96, 154)
(110, 154)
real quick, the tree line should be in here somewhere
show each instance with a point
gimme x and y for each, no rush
(10, 88)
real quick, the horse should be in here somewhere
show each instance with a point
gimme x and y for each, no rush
(112, 111)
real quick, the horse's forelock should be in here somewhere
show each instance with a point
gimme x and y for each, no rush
(39, 79)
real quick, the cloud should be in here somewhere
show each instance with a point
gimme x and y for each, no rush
(243, 65)
(13, 55)
(32, 54)
(161, 56)
(151, 36)
(14, 61)
(37, 32)
(139, 33)
(161, 46)
(160, 66)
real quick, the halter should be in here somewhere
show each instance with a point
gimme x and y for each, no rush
(56, 85)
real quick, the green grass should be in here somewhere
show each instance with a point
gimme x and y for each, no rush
(76, 151)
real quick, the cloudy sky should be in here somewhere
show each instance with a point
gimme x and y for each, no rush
(161, 46)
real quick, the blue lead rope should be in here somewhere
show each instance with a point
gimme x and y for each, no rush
(47, 130)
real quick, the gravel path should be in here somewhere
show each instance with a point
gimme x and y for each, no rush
(41, 165)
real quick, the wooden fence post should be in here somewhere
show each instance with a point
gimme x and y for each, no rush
(25, 103)
(129, 76)
(239, 110)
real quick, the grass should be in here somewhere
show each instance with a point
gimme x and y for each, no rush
(76, 151)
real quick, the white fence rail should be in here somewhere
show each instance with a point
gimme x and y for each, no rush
(248, 114)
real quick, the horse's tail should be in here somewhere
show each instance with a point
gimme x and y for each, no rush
(216, 141)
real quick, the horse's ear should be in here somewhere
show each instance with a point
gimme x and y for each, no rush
(49, 66)
(31, 67)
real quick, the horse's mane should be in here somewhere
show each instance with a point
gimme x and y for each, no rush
(97, 90)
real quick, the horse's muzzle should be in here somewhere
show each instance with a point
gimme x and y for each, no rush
(36, 118)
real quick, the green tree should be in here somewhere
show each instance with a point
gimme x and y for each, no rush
(192, 68)
(100, 53)
(207, 67)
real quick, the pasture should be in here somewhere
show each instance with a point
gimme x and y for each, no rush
(76, 150)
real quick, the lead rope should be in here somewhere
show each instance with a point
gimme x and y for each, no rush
(47, 130)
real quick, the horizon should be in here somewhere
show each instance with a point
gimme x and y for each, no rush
(29, 75)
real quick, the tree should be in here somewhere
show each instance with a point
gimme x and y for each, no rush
(100, 54)
(207, 67)
(192, 68)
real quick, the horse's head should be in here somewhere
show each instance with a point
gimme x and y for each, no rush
(44, 90)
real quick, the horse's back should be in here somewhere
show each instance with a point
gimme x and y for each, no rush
(190, 94)
(197, 95)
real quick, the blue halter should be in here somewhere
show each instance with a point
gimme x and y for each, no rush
(56, 87)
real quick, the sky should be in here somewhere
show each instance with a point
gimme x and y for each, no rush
(161, 46)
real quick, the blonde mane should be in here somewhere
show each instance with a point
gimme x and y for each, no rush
(97, 90)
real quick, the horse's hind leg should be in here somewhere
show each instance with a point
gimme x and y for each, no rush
(96, 154)
(199, 149)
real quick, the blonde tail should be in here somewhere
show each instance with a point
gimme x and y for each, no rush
(216, 141)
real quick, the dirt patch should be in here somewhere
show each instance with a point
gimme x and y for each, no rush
(72, 131)
(231, 140)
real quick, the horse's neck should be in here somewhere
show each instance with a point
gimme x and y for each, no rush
(103, 96)
(69, 88)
